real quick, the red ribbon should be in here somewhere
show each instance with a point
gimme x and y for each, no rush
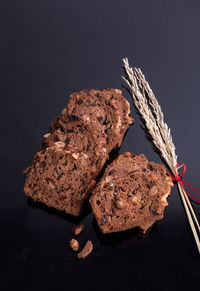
(177, 177)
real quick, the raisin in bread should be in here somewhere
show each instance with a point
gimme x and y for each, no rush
(131, 193)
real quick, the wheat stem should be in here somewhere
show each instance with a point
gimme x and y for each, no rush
(153, 119)
(192, 225)
(191, 209)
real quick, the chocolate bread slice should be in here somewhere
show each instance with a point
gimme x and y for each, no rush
(114, 98)
(76, 136)
(60, 179)
(75, 150)
(131, 193)
(90, 106)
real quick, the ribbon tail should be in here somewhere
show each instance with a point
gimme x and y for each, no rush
(188, 193)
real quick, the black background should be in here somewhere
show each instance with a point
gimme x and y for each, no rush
(49, 49)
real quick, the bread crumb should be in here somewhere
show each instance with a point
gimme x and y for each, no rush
(74, 244)
(86, 250)
(78, 229)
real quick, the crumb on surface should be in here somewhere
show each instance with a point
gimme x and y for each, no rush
(78, 229)
(74, 244)
(88, 248)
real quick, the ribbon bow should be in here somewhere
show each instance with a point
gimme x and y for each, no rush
(177, 177)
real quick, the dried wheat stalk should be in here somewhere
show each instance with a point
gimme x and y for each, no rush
(153, 119)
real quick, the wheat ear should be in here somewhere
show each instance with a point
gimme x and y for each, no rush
(153, 118)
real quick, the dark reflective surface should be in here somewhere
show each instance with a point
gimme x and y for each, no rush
(49, 49)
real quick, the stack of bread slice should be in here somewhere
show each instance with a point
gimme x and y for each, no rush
(76, 148)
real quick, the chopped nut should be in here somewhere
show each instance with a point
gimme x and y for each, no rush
(108, 179)
(119, 204)
(85, 155)
(46, 135)
(86, 250)
(60, 144)
(57, 149)
(153, 191)
(93, 183)
(58, 130)
(119, 123)
(104, 150)
(128, 105)
(118, 91)
(165, 196)
(77, 229)
(86, 118)
(64, 111)
(135, 199)
(74, 244)
(169, 181)
(75, 155)
(130, 119)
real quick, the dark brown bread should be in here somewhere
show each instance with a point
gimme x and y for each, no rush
(94, 107)
(76, 148)
(60, 180)
(76, 136)
(131, 193)
(114, 98)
